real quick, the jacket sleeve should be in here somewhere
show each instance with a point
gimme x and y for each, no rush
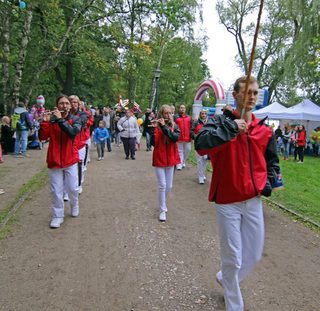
(192, 129)
(70, 129)
(152, 140)
(44, 132)
(119, 125)
(172, 135)
(218, 130)
(273, 168)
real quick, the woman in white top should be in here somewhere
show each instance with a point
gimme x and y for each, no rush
(129, 130)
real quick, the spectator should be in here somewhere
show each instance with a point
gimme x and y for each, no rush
(22, 130)
(7, 140)
(301, 142)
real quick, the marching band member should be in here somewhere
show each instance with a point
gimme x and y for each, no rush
(60, 127)
(244, 157)
(81, 139)
(165, 154)
(184, 144)
(201, 159)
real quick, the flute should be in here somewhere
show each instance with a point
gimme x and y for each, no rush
(50, 112)
(157, 120)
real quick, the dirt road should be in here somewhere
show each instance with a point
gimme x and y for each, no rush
(116, 256)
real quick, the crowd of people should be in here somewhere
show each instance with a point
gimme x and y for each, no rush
(293, 141)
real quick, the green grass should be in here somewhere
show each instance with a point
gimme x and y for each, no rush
(301, 191)
(33, 185)
(301, 187)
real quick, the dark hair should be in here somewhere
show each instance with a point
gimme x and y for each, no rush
(21, 104)
(241, 80)
(61, 96)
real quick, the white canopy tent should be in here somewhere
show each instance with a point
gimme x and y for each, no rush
(274, 111)
(306, 113)
(306, 110)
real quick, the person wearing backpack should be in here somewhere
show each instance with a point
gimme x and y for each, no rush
(22, 126)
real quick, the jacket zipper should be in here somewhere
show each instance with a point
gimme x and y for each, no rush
(250, 161)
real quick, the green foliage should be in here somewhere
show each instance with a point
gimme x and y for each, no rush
(286, 58)
(100, 49)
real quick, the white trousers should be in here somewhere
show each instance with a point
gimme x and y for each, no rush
(201, 166)
(184, 150)
(241, 231)
(165, 180)
(63, 179)
(82, 154)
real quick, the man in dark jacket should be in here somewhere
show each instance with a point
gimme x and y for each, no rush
(245, 166)
(22, 129)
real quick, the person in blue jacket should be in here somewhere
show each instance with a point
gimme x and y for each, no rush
(100, 137)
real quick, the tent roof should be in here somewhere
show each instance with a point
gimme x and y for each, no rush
(306, 110)
(273, 111)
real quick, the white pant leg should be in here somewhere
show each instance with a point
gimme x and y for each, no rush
(71, 184)
(56, 189)
(201, 166)
(239, 247)
(252, 236)
(82, 154)
(186, 151)
(164, 179)
(169, 179)
(181, 153)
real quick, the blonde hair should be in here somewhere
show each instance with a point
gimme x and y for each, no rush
(71, 97)
(162, 109)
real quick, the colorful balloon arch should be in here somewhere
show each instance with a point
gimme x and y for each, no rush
(219, 92)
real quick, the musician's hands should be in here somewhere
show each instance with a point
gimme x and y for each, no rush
(57, 113)
(46, 116)
(242, 125)
(161, 121)
(153, 123)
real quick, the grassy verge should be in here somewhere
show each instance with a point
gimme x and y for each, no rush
(25, 192)
(301, 186)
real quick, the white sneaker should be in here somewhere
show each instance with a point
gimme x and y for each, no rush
(80, 190)
(56, 222)
(204, 178)
(163, 216)
(219, 279)
(75, 211)
(65, 197)
(179, 167)
(183, 165)
(201, 181)
(99, 159)
(102, 158)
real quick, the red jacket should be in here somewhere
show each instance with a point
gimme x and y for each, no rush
(301, 140)
(81, 139)
(245, 165)
(184, 123)
(165, 152)
(87, 133)
(62, 151)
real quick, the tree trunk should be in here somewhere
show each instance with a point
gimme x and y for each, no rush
(5, 65)
(68, 86)
(21, 58)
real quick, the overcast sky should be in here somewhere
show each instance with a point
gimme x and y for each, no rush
(221, 47)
